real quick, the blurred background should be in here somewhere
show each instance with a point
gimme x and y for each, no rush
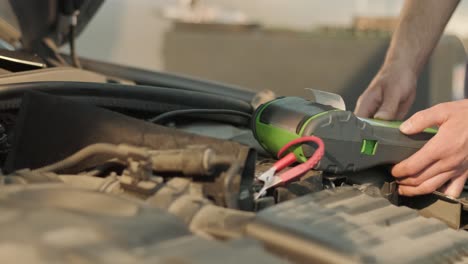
(281, 45)
(122, 22)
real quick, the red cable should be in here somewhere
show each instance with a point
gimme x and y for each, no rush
(309, 164)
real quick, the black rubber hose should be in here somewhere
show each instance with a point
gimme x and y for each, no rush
(171, 114)
(154, 78)
(132, 97)
(71, 40)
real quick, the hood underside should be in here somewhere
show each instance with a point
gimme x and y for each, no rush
(41, 19)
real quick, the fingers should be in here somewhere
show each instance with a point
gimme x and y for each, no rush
(426, 187)
(433, 116)
(414, 180)
(389, 108)
(389, 95)
(436, 168)
(405, 107)
(431, 151)
(443, 161)
(422, 159)
(367, 105)
(455, 187)
(373, 104)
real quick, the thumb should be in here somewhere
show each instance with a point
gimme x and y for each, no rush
(388, 109)
(422, 120)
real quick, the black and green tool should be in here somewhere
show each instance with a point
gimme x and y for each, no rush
(351, 143)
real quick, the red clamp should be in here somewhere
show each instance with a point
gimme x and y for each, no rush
(270, 178)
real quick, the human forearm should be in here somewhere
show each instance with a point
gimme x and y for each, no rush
(392, 91)
(420, 27)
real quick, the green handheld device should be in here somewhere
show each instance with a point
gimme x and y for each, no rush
(351, 143)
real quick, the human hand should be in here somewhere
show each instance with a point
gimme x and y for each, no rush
(443, 161)
(390, 94)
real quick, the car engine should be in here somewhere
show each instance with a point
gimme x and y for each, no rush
(103, 163)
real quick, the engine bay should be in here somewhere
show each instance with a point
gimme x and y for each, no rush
(103, 163)
(93, 180)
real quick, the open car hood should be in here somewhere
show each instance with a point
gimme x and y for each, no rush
(41, 19)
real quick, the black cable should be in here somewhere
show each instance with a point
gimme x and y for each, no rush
(132, 97)
(154, 78)
(71, 40)
(141, 101)
(171, 114)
